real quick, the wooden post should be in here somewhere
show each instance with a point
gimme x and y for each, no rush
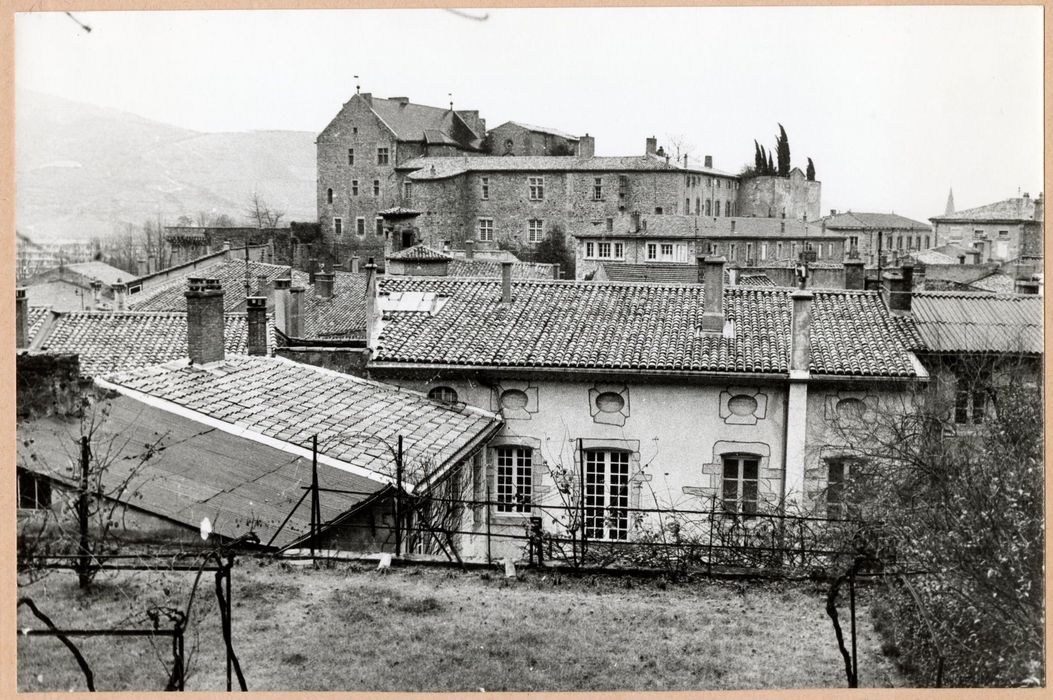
(82, 514)
(486, 478)
(316, 508)
(581, 498)
(852, 612)
(398, 498)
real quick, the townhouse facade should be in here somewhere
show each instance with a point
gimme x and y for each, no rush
(878, 238)
(1010, 229)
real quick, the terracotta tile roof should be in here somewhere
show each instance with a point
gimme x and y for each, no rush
(419, 252)
(998, 282)
(110, 341)
(343, 314)
(932, 257)
(231, 276)
(978, 322)
(681, 226)
(1012, 209)
(648, 272)
(639, 326)
(541, 130)
(288, 401)
(237, 483)
(476, 267)
(37, 316)
(754, 279)
(860, 220)
(437, 168)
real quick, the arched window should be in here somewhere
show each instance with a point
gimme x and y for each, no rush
(329, 195)
(443, 394)
(739, 492)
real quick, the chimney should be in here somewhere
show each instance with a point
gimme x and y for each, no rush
(312, 270)
(354, 263)
(446, 247)
(21, 318)
(800, 331)
(96, 293)
(713, 279)
(120, 295)
(403, 101)
(469, 249)
(140, 267)
(634, 221)
(854, 275)
(373, 313)
(281, 304)
(700, 268)
(151, 264)
(685, 161)
(610, 224)
(263, 287)
(323, 285)
(294, 312)
(256, 311)
(708, 161)
(896, 289)
(506, 282)
(586, 146)
(1040, 206)
(652, 146)
(833, 212)
(204, 318)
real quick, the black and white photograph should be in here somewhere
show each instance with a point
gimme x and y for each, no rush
(507, 349)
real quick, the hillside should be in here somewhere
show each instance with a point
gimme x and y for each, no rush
(83, 170)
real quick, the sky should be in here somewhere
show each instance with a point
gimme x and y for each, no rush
(895, 105)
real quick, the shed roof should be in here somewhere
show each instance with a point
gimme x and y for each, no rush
(978, 322)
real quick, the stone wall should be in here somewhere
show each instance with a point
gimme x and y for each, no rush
(512, 139)
(794, 197)
(346, 360)
(50, 384)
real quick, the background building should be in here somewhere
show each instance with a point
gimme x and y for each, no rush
(1005, 230)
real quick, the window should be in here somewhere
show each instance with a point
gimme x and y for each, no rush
(667, 250)
(605, 250)
(376, 188)
(380, 227)
(749, 251)
(597, 188)
(350, 156)
(652, 251)
(329, 195)
(970, 403)
(360, 226)
(838, 473)
(1003, 234)
(354, 188)
(716, 208)
(698, 206)
(537, 188)
(382, 156)
(33, 491)
(486, 229)
(619, 250)
(590, 249)
(727, 208)
(485, 182)
(687, 205)
(709, 206)
(338, 226)
(764, 251)
(443, 394)
(731, 251)
(658, 210)
(740, 484)
(606, 494)
(354, 130)
(899, 242)
(927, 242)
(778, 251)
(514, 479)
(534, 232)
(853, 242)
(407, 192)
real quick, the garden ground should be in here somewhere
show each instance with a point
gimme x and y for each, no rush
(347, 627)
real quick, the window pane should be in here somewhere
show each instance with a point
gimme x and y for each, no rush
(749, 468)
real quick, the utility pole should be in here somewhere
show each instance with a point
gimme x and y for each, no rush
(82, 514)
(398, 499)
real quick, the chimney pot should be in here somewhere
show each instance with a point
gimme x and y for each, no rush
(506, 281)
(21, 318)
(256, 313)
(120, 295)
(204, 316)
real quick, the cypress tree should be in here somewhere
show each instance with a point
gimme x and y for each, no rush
(810, 174)
(771, 165)
(782, 149)
(758, 158)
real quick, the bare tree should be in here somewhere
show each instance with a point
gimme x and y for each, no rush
(680, 146)
(261, 214)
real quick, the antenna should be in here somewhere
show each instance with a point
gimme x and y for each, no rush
(450, 95)
(357, 86)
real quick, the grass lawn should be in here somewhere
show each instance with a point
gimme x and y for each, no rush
(347, 627)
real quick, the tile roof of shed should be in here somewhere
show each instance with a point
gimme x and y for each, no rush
(437, 168)
(237, 483)
(109, 341)
(641, 326)
(649, 272)
(355, 419)
(859, 220)
(978, 322)
(476, 267)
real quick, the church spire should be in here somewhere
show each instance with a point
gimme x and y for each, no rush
(950, 203)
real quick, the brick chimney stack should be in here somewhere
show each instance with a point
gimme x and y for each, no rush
(21, 318)
(506, 281)
(854, 275)
(713, 279)
(256, 311)
(204, 317)
(586, 146)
